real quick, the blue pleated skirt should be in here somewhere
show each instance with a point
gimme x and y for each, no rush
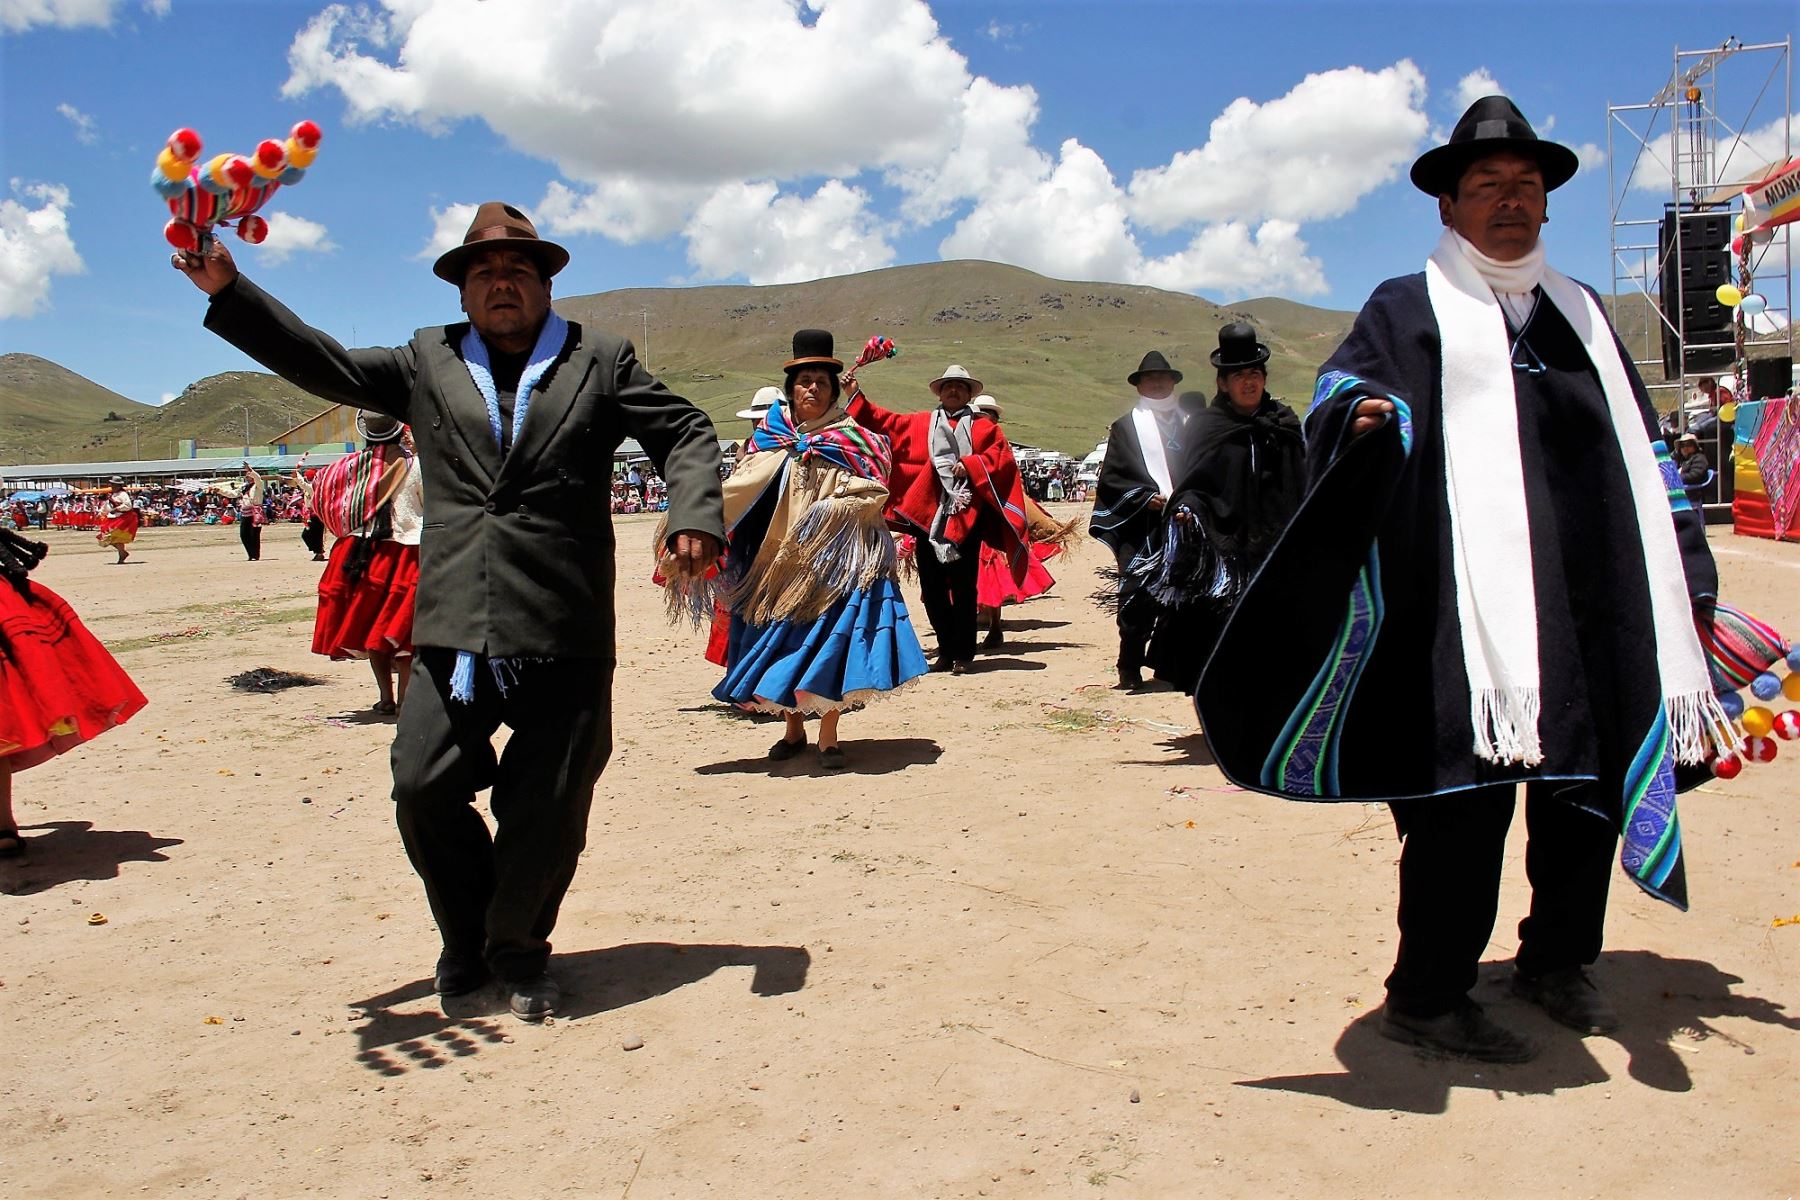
(860, 647)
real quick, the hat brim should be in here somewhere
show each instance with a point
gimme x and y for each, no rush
(362, 427)
(752, 414)
(937, 385)
(453, 263)
(1137, 375)
(794, 364)
(1436, 171)
(1262, 356)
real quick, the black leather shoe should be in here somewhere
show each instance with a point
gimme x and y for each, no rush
(1464, 1031)
(458, 975)
(783, 750)
(941, 663)
(832, 758)
(1570, 998)
(994, 638)
(1130, 681)
(961, 666)
(535, 998)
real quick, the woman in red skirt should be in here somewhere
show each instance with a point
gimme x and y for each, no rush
(374, 501)
(118, 520)
(58, 685)
(994, 586)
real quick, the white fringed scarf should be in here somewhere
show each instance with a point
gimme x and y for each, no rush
(1147, 418)
(951, 442)
(1490, 537)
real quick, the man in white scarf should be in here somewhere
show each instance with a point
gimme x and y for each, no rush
(1519, 568)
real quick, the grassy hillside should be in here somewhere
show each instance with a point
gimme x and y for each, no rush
(1055, 353)
(46, 407)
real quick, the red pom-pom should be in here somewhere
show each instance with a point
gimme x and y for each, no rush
(271, 155)
(185, 144)
(239, 171)
(182, 236)
(1787, 725)
(1758, 749)
(1727, 767)
(253, 230)
(307, 134)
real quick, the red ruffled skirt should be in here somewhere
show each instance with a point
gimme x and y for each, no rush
(994, 584)
(118, 531)
(59, 686)
(373, 615)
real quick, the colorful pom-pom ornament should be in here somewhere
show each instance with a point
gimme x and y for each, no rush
(185, 143)
(291, 176)
(168, 188)
(1732, 703)
(182, 236)
(1765, 686)
(1757, 722)
(173, 166)
(270, 159)
(226, 188)
(307, 133)
(1787, 725)
(1793, 657)
(1727, 766)
(1758, 749)
(300, 154)
(253, 230)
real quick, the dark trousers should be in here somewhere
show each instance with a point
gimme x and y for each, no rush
(1137, 621)
(312, 536)
(496, 897)
(1450, 888)
(948, 590)
(250, 534)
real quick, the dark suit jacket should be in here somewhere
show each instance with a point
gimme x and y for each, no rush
(516, 559)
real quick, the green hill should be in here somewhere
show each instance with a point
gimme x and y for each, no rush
(48, 409)
(1054, 353)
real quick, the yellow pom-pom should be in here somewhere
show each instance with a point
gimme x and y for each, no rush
(172, 167)
(1790, 687)
(1757, 721)
(300, 156)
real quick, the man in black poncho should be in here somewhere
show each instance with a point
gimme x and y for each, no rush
(1484, 587)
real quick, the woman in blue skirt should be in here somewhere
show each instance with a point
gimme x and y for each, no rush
(817, 622)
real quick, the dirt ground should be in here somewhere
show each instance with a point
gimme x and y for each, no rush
(1031, 945)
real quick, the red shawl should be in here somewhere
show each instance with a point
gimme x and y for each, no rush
(997, 515)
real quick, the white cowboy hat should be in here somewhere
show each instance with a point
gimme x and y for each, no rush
(760, 404)
(954, 371)
(987, 404)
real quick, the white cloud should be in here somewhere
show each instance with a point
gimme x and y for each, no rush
(1229, 261)
(679, 118)
(448, 225)
(1310, 154)
(19, 15)
(84, 124)
(34, 246)
(1591, 155)
(1476, 84)
(157, 8)
(1069, 223)
(290, 235)
(1738, 159)
(750, 229)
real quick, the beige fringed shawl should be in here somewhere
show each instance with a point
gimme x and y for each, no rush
(825, 536)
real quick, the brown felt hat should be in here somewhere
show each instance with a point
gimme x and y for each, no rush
(499, 224)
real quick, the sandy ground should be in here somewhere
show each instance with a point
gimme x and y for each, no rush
(1030, 946)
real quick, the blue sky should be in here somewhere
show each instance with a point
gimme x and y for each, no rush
(1227, 150)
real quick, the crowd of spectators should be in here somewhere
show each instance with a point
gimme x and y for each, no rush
(213, 503)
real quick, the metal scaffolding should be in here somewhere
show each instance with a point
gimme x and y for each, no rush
(1685, 152)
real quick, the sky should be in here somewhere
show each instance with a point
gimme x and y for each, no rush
(1225, 150)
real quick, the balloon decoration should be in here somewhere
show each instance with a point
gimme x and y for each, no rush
(227, 188)
(1728, 295)
(1752, 304)
(1740, 653)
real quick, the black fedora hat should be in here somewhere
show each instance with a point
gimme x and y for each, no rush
(1493, 124)
(812, 346)
(1153, 361)
(499, 224)
(1238, 348)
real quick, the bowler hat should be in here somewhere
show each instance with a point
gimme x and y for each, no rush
(760, 404)
(1153, 361)
(812, 346)
(1492, 125)
(497, 224)
(377, 428)
(1239, 348)
(958, 374)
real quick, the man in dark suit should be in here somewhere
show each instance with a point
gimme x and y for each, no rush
(515, 603)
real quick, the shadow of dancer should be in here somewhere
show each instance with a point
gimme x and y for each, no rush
(1659, 999)
(75, 850)
(394, 1035)
(867, 756)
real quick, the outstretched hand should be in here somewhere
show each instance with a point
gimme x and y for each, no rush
(212, 271)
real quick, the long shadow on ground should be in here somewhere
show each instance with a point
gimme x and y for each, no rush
(1659, 999)
(867, 756)
(73, 850)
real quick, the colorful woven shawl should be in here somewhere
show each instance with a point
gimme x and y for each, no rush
(347, 493)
